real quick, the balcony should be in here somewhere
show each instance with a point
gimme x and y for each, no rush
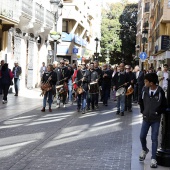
(27, 8)
(39, 12)
(9, 10)
(49, 18)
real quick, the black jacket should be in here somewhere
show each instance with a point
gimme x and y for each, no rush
(83, 74)
(62, 73)
(106, 79)
(120, 79)
(152, 107)
(46, 75)
(99, 72)
(93, 75)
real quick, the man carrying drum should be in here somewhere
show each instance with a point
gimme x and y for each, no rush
(93, 87)
(62, 83)
(82, 80)
(99, 71)
(120, 81)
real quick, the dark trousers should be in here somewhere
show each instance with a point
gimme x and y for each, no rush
(128, 102)
(0, 86)
(16, 85)
(5, 89)
(105, 93)
(135, 98)
(93, 99)
(96, 99)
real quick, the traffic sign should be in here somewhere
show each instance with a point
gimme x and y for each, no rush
(143, 56)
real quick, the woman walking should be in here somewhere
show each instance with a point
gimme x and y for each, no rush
(6, 78)
(48, 81)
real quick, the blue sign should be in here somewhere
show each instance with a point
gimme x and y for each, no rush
(78, 40)
(143, 56)
(75, 50)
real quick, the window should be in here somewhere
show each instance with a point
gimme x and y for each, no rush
(147, 7)
(65, 26)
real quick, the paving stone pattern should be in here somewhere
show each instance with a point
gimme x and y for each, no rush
(67, 140)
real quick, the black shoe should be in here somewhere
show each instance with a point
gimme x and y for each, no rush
(96, 107)
(130, 110)
(88, 109)
(78, 109)
(106, 105)
(125, 109)
(16, 95)
(117, 112)
(122, 113)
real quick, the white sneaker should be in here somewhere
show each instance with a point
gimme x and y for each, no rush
(153, 163)
(58, 106)
(64, 105)
(4, 101)
(143, 154)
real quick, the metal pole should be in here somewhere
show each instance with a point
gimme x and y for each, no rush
(143, 51)
(55, 41)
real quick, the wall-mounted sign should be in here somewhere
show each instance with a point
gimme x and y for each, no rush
(75, 50)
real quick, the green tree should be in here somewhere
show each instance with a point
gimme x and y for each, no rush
(118, 31)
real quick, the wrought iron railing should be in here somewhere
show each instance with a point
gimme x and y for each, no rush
(49, 18)
(39, 12)
(27, 7)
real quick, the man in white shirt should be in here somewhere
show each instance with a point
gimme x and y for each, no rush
(163, 77)
(43, 69)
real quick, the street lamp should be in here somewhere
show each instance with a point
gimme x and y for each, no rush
(56, 4)
(96, 54)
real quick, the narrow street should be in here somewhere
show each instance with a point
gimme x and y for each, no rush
(65, 139)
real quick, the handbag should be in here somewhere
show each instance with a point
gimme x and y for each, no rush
(11, 84)
(80, 90)
(11, 75)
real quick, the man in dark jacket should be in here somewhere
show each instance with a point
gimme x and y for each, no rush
(106, 79)
(153, 103)
(99, 72)
(82, 80)
(128, 101)
(62, 79)
(93, 87)
(121, 79)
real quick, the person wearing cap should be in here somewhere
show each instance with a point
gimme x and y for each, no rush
(17, 70)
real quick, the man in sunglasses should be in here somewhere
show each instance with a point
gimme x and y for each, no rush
(62, 79)
(82, 80)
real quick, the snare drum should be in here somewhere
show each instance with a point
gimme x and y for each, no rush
(93, 87)
(60, 89)
(120, 91)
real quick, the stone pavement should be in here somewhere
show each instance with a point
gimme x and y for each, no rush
(65, 139)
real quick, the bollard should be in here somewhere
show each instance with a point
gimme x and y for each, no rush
(163, 153)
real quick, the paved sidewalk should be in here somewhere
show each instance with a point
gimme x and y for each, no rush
(67, 140)
(26, 101)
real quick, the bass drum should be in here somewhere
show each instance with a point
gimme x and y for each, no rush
(120, 91)
(93, 88)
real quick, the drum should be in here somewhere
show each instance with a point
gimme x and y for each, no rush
(80, 90)
(120, 91)
(60, 89)
(93, 87)
(129, 90)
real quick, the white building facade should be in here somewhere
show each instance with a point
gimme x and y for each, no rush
(24, 34)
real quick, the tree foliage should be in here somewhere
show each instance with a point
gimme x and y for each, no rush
(118, 31)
